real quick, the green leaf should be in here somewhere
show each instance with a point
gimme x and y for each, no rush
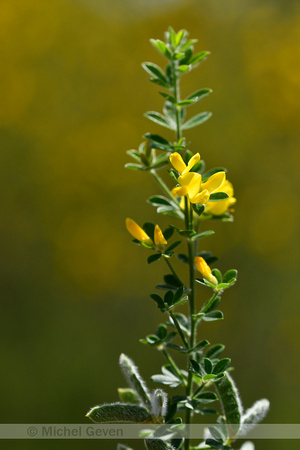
(173, 246)
(189, 44)
(209, 376)
(214, 315)
(183, 258)
(159, 301)
(207, 397)
(149, 227)
(211, 304)
(153, 258)
(123, 447)
(186, 56)
(131, 373)
(199, 209)
(186, 103)
(218, 196)
(172, 280)
(162, 48)
(183, 322)
(256, 413)
(212, 443)
(195, 367)
(217, 274)
(168, 97)
(199, 57)
(199, 346)
(154, 70)
(215, 351)
(168, 298)
(222, 365)
(184, 68)
(160, 82)
(158, 141)
(196, 120)
(167, 378)
(134, 154)
(179, 293)
(161, 331)
(231, 404)
(207, 365)
(128, 396)
(158, 200)
(187, 233)
(160, 119)
(119, 413)
(132, 166)
(177, 347)
(168, 233)
(230, 275)
(198, 95)
(158, 444)
(203, 235)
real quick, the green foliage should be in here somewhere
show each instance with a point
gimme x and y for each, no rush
(119, 413)
(188, 201)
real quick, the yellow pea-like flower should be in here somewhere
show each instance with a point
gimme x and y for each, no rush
(219, 208)
(159, 239)
(190, 184)
(205, 270)
(214, 182)
(137, 232)
(178, 163)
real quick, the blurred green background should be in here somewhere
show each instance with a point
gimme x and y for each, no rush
(74, 290)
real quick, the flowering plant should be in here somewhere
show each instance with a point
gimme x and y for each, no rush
(192, 195)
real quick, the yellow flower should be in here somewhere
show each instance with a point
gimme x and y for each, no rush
(219, 208)
(191, 186)
(178, 163)
(159, 238)
(137, 232)
(205, 270)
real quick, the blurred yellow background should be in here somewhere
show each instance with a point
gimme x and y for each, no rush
(75, 292)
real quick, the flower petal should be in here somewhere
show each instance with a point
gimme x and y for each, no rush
(159, 238)
(179, 191)
(205, 270)
(201, 198)
(214, 182)
(191, 163)
(192, 181)
(137, 232)
(177, 162)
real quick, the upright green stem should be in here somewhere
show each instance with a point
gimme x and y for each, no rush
(176, 91)
(191, 254)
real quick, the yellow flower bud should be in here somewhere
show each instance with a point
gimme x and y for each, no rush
(137, 232)
(205, 270)
(159, 238)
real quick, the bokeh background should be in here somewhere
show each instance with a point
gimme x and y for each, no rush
(74, 291)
